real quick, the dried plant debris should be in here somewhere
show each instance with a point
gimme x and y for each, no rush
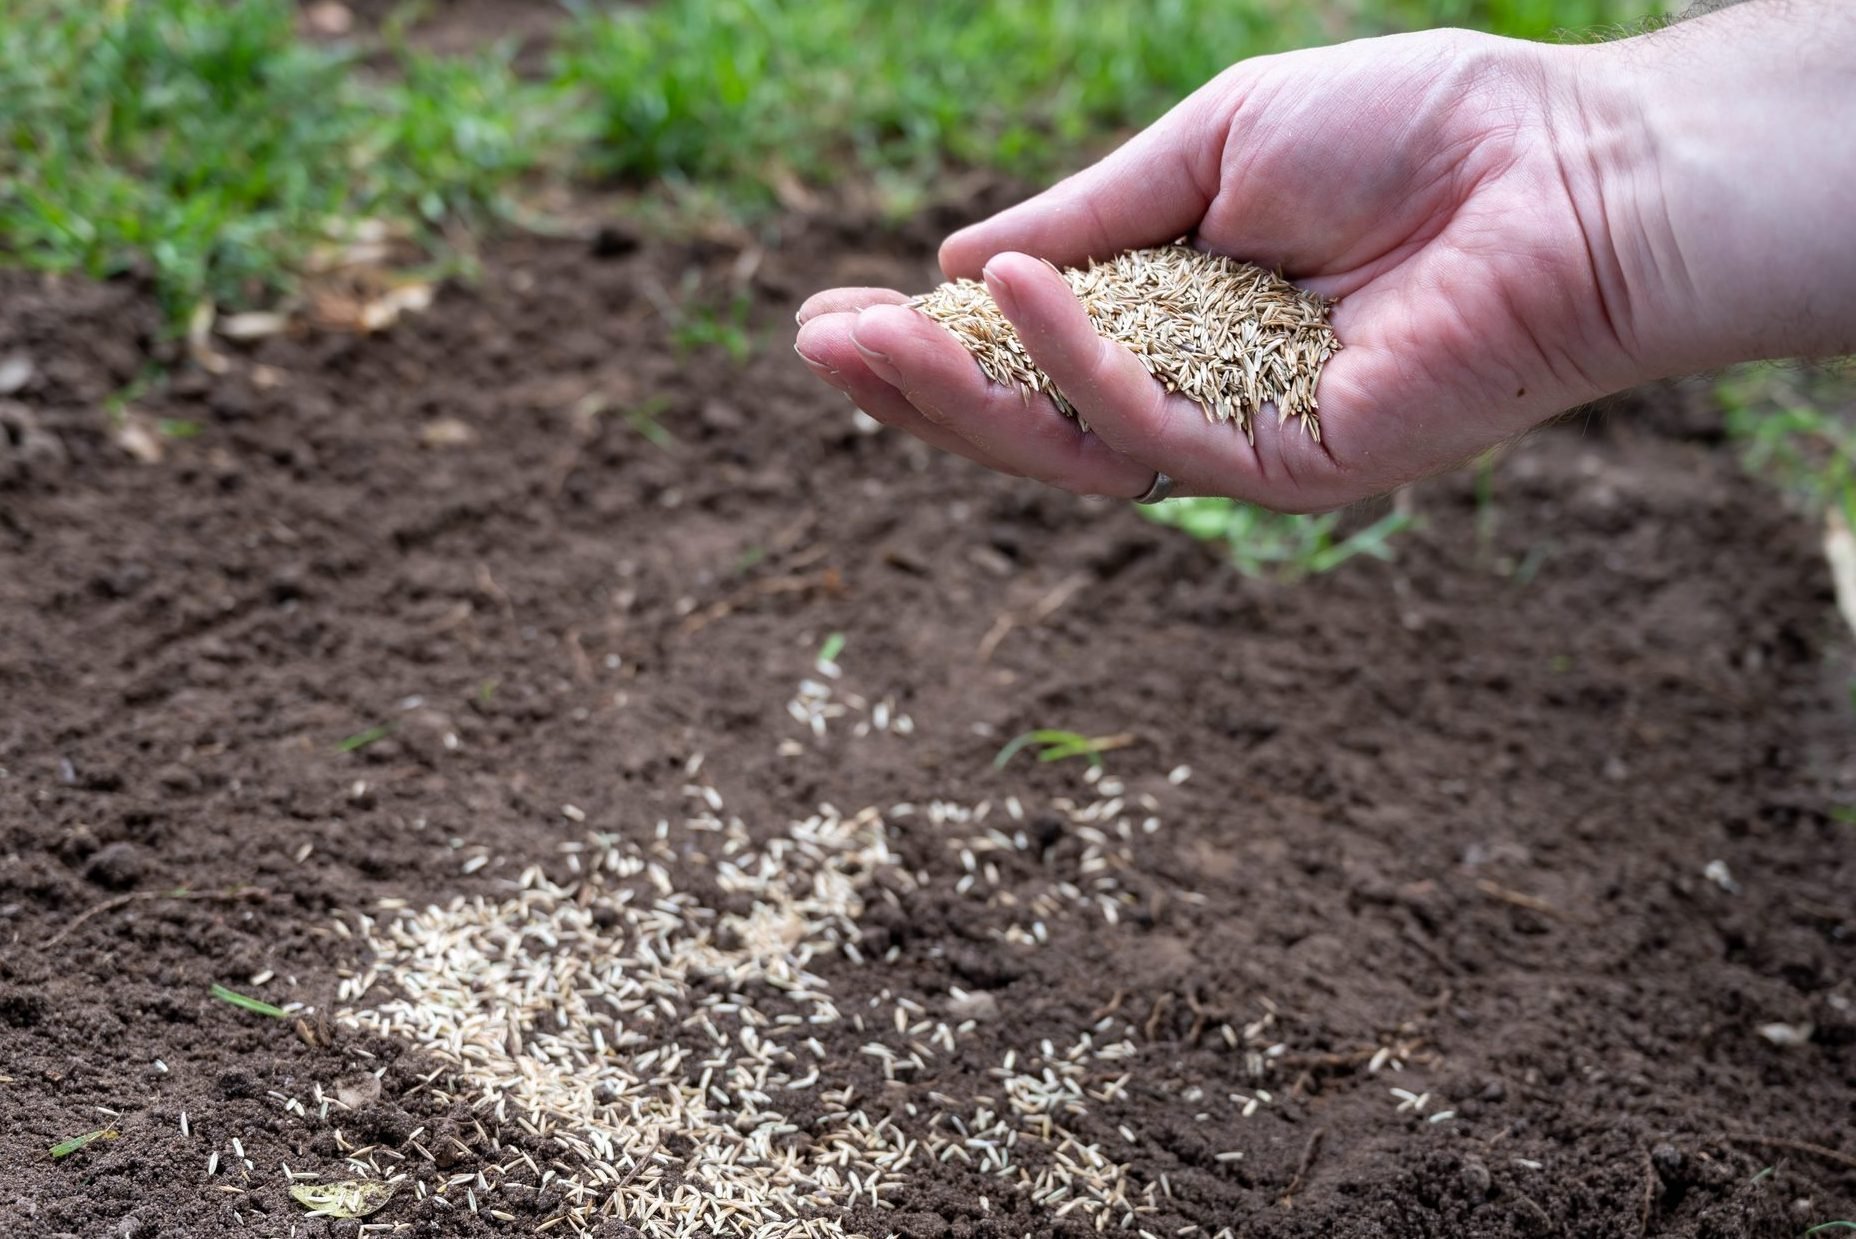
(1230, 336)
(350, 1198)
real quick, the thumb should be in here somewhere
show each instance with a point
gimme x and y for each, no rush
(1153, 189)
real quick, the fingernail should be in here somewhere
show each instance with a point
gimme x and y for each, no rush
(819, 368)
(812, 361)
(1001, 290)
(877, 360)
(869, 353)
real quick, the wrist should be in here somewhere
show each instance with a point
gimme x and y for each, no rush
(1720, 178)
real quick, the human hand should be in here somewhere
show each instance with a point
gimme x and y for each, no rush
(1425, 180)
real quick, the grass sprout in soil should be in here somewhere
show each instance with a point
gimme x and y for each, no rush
(202, 145)
(1261, 543)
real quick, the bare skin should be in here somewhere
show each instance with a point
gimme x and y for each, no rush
(1513, 229)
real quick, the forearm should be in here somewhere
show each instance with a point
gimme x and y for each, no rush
(1723, 152)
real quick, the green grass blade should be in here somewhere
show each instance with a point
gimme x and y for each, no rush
(361, 739)
(65, 1148)
(1013, 747)
(255, 1005)
(1078, 748)
(1052, 744)
(1374, 540)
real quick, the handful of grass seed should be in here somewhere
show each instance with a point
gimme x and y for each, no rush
(1226, 334)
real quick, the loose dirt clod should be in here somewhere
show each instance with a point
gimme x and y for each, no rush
(1228, 335)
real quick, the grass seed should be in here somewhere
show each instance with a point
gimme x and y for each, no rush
(1230, 336)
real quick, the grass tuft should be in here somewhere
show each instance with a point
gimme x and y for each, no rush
(1053, 745)
(746, 93)
(1261, 543)
(1795, 426)
(200, 143)
(751, 95)
(698, 326)
(1555, 20)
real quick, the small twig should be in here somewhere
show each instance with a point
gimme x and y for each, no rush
(1309, 1152)
(458, 614)
(1539, 1216)
(1199, 1016)
(1000, 630)
(1533, 903)
(1796, 1146)
(123, 901)
(583, 668)
(488, 585)
(1353, 1058)
(1114, 1004)
(826, 580)
(1034, 615)
(657, 1134)
(1161, 1005)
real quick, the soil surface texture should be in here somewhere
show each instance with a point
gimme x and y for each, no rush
(1498, 890)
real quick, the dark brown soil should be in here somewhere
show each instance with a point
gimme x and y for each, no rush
(1462, 802)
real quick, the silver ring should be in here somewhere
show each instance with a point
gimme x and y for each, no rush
(1162, 487)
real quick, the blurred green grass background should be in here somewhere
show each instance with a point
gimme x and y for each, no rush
(207, 145)
(212, 148)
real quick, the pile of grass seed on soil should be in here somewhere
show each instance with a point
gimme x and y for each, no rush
(1230, 336)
